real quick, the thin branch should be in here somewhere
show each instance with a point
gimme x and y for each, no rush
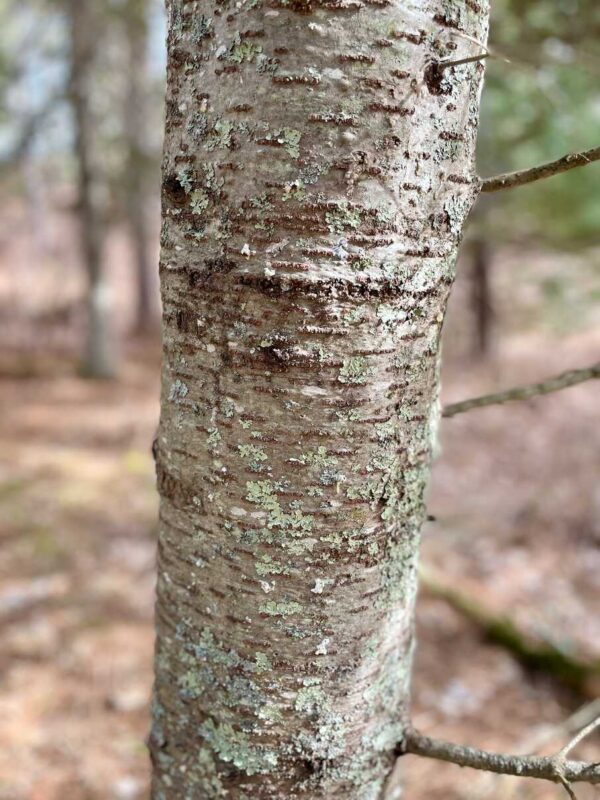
(562, 381)
(510, 179)
(550, 768)
(442, 65)
(579, 737)
(497, 786)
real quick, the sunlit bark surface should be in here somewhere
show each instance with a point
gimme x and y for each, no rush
(318, 171)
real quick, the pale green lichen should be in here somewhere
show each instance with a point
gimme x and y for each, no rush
(262, 663)
(318, 458)
(390, 316)
(221, 134)
(261, 202)
(309, 700)
(289, 139)
(354, 316)
(253, 455)
(283, 609)
(294, 191)
(202, 28)
(342, 218)
(355, 370)
(267, 566)
(186, 179)
(178, 391)
(262, 494)
(213, 439)
(198, 126)
(385, 431)
(228, 407)
(199, 201)
(234, 747)
(242, 50)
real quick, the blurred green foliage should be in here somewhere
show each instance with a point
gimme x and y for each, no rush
(541, 105)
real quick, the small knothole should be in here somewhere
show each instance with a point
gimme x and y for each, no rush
(435, 80)
(174, 191)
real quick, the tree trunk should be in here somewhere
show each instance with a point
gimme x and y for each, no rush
(99, 357)
(136, 179)
(318, 171)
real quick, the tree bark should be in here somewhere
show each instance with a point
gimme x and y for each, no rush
(99, 356)
(317, 175)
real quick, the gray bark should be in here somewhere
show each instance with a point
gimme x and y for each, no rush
(99, 356)
(317, 175)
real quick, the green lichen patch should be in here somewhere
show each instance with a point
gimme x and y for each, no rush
(221, 135)
(253, 455)
(262, 494)
(268, 566)
(288, 138)
(354, 316)
(213, 439)
(355, 370)
(242, 50)
(263, 663)
(318, 458)
(294, 191)
(309, 700)
(199, 201)
(342, 218)
(227, 407)
(283, 609)
(178, 391)
(390, 316)
(185, 176)
(234, 747)
(202, 28)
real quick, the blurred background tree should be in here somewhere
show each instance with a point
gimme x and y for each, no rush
(80, 130)
(544, 102)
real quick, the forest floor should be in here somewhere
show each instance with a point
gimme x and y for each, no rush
(517, 526)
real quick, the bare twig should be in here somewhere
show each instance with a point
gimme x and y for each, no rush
(551, 768)
(561, 381)
(442, 65)
(579, 737)
(499, 787)
(510, 179)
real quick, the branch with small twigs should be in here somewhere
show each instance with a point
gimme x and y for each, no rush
(522, 177)
(556, 768)
(562, 381)
(499, 786)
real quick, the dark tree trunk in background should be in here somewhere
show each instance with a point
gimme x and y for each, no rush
(481, 297)
(317, 176)
(137, 188)
(99, 356)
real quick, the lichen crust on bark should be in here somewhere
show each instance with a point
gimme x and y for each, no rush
(317, 176)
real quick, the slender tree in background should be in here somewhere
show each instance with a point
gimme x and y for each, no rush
(99, 357)
(137, 188)
(319, 167)
(481, 296)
